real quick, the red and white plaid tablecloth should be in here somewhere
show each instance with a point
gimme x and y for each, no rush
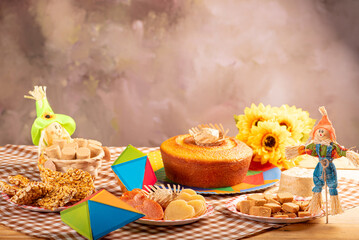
(20, 159)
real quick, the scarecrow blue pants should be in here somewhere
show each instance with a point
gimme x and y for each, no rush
(331, 177)
(330, 173)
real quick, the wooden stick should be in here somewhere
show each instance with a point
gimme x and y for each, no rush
(325, 185)
(326, 198)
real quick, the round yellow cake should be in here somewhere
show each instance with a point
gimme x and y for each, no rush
(205, 166)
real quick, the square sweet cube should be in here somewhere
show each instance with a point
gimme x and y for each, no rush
(244, 206)
(274, 207)
(258, 202)
(290, 207)
(276, 214)
(71, 145)
(303, 205)
(273, 201)
(255, 196)
(270, 196)
(292, 215)
(265, 212)
(304, 214)
(284, 197)
(254, 210)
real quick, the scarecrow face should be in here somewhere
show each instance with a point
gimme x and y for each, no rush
(54, 130)
(322, 134)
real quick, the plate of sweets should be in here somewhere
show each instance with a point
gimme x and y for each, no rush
(283, 207)
(33, 207)
(55, 193)
(167, 207)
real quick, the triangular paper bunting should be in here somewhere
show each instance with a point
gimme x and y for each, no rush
(149, 177)
(128, 154)
(89, 197)
(131, 173)
(133, 169)
(78, 218)
(99, 214)
(105, 219)
(107, 198)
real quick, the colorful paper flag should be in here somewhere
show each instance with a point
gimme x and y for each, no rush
(99, 214)
(133, 169)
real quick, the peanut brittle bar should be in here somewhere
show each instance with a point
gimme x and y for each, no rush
(8, 189)
(30, 193)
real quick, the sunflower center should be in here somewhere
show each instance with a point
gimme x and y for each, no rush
(269, 142)
(255, 123)
(286, 125)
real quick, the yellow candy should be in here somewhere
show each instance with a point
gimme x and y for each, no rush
(179, 210)
(189, 191)
(199, 207)
(155, 160)
(187, 197)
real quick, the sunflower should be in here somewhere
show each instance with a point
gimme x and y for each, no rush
(291, 122)
(252, 116)
(308, 125)
(303, 117)
(268, 141)
(284, 163)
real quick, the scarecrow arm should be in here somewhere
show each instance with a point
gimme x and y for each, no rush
(294, 151)
(353, 157)
(42, 105)
(310, 150)
(37, 94)
(339, 151)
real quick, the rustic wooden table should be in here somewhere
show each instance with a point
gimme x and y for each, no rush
(344, 226)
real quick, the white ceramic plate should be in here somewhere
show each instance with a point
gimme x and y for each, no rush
(231, 205)
(32, 208)
(209, 212)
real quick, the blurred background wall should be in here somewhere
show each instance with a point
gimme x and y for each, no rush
(138, 72)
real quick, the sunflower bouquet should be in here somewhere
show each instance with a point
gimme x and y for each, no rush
(268, 130)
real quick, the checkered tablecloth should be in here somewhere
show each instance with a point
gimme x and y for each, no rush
(20, 159)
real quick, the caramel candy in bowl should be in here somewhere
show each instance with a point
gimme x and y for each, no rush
(87, 157)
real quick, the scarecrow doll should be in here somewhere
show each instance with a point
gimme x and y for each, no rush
(48, 126)
(324, 146)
